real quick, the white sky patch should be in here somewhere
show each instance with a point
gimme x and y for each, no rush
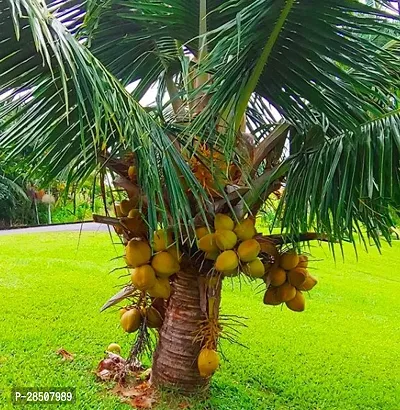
(5, 95)
(149, 98)
(396, 5)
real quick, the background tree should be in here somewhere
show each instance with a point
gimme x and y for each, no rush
(11, 195)
(22, 190)
(212, 143)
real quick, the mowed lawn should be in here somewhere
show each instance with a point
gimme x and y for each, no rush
(342, 353)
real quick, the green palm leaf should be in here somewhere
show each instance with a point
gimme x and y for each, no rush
(73, 109)
(310, 47)
(346, 182)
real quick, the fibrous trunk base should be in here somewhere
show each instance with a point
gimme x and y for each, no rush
(175, 358)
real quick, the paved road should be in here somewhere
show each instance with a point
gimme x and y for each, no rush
(88, 226)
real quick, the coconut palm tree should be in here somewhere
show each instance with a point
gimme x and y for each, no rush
(250, 96)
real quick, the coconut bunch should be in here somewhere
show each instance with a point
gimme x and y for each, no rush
(131, 318)
(208, 359)
(209, 331)
(152, 266)
(232, 247)
(287, 279)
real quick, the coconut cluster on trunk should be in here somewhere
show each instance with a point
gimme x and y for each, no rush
(172, 300)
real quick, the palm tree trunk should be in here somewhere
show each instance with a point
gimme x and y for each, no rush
(175, 358)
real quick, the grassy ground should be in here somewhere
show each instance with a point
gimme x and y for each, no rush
(341, 353)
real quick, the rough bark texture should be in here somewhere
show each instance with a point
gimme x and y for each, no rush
(175, 359)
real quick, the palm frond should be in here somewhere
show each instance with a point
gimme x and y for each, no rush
(306, 65)
(141, 41)
(73, 109)
(130, 48)
(346, 185)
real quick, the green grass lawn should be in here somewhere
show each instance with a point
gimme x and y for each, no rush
(342, 353)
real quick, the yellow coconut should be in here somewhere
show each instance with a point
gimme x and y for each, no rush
(277, 276)
(212, 256)
(223, 222)
(132, 172)
(248, 250)
(289, 260)
(207, 362)
(309, 283)
(270, 297)
(130, 320)
(143, 277)
(164, 264)
(207, 243)
(202, 231)
(298, 303)
(285, 292)
(154, 318)
(122, 311)
(255, 269)
(137, 253)
(303, 261)
(161, 240)
(297, 276)
(226, 261)
(245, 229)
(126, 205)
(114, 348)
(161, 289)
(225, 239)
(175, 252)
